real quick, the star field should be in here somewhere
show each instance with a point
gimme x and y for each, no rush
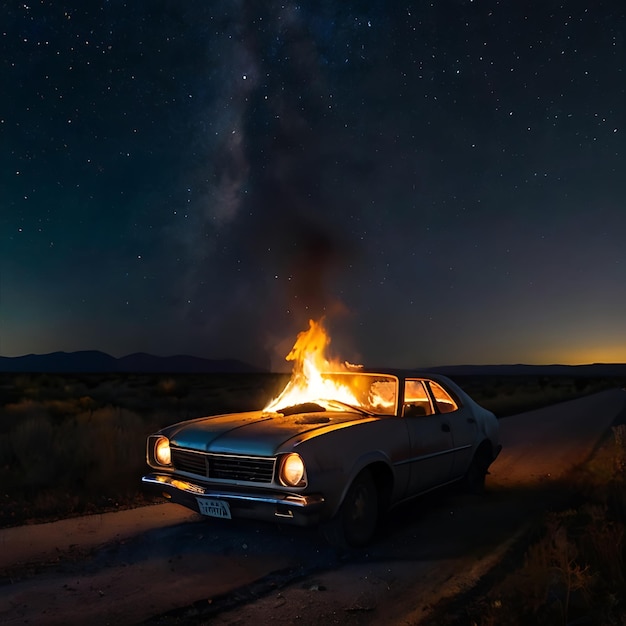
(444, 181)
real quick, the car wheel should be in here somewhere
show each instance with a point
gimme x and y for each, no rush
(357, 518)
(474, 480)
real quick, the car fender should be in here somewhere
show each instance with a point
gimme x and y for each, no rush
(370, 459)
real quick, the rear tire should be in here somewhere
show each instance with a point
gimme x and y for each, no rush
(355, 523)
(474, 479)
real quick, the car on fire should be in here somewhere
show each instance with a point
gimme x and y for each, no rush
(336, 464)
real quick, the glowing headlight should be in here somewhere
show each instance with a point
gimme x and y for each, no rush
(292, 470)
(162, 452)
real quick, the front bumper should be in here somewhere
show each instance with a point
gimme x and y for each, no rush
(296, 509)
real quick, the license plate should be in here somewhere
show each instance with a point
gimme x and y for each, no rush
(214, 508)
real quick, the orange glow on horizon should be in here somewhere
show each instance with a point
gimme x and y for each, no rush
(582, 355)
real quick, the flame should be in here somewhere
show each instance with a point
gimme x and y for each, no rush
(307, 383)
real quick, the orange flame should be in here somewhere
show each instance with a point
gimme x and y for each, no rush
(307, 383)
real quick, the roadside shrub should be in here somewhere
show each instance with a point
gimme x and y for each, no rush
(105, 449)
(619, 434)
(576, 572)
(32, 443)
(69, 406)
(616, 497)
(6, 452)
(602, 544)
(173, 386)
(16, 412)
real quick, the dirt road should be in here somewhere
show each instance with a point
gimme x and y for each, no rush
(165, 565)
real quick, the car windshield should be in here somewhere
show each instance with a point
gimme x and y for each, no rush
(374, 393)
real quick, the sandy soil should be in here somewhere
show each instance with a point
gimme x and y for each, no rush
(165, 565)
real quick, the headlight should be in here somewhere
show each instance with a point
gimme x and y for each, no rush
(162, 452)
(292, 471)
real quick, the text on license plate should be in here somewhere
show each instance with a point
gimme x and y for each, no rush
(214, 508)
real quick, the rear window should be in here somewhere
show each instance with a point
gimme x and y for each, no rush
(445, 402)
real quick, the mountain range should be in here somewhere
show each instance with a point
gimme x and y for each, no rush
(93, 361)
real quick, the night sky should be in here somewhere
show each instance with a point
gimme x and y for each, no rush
(444, 181)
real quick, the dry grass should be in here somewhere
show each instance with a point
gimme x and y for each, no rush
(508, 395)
(575, 573)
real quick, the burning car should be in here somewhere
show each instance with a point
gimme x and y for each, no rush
(335, 449)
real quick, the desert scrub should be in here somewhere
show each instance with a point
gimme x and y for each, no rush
(575, 573)
(63, 455)
(509, 395)
(93, 449)
(104, 450)
(32, 445)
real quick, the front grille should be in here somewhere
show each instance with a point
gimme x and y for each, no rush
(228, 467)
(185, 461)
(241, 468)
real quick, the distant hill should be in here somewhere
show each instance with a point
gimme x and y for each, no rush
(593, 370)
(93, 361)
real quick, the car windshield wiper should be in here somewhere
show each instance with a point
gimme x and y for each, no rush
(348, 406)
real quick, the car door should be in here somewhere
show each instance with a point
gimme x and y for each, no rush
(462, 426)
(430, 438)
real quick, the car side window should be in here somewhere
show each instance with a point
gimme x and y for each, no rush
(416, 399)
(445, 402)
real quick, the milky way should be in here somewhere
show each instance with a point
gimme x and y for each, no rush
(444, 183)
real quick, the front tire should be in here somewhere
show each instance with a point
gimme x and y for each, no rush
(355, 523)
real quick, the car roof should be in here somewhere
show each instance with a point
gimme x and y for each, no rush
(399, 372)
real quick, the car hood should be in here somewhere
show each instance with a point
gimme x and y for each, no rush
(256, 432)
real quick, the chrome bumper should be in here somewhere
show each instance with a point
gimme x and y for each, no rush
(302, 510)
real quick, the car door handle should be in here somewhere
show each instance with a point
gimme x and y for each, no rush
(445, 428)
